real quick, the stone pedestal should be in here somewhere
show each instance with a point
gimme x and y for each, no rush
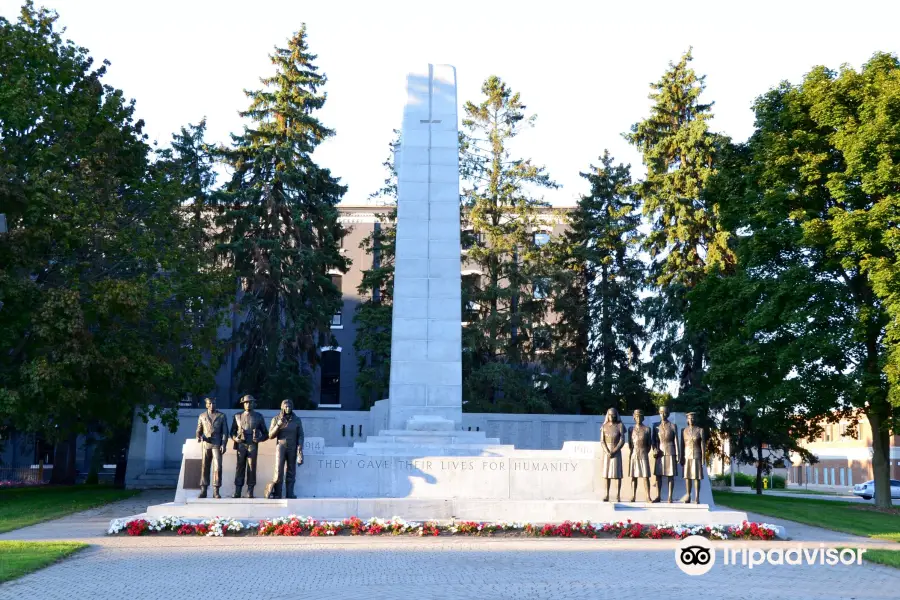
(428, 465)
(422, 475)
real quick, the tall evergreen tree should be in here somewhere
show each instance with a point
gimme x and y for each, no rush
(186, 170)
(192, 162)
(280, 228)
(685, 238)
(506, 305)
(375, 313)
(598, 335)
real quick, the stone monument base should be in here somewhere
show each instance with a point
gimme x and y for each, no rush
(442, 475)
(457, 509)
(413, 476)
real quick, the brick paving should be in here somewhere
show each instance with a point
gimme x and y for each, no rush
(166, 567)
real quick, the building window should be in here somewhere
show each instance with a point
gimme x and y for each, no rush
(337, 318)
(541, 288)
(468, 238)
(471, 284)
(541, 339)
(541, 238)
(330, 388)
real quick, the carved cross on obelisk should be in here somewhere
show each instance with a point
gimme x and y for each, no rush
(426, 343)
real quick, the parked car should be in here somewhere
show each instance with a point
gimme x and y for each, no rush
(867, 489)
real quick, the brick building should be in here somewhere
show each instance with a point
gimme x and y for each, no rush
(844, 459)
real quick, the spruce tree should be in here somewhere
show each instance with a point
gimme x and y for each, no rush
(685, 238)
(280, 228)
(374, 314)
(505, 306)
(193, 164)
(598, 335)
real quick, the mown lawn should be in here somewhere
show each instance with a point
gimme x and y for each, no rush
(20, 507)
(808, 492)
(21, 558)
(890, 558)
(848, 517)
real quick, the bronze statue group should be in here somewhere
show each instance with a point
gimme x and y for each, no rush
(661, 443)
(248, 430)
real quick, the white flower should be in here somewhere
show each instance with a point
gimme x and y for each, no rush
(115, 526)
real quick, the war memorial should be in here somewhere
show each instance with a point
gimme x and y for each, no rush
(422, 464)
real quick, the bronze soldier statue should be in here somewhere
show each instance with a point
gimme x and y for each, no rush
(288, 430)
(639, 441)
(694, 441)
(248, 429)
(612, 437)
(668, 455)
(212, 433)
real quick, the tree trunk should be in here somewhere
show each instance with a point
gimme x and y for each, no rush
(119, 477)
(698, 350)
(759, 468)
(606, 344)
(71, 470)
(879, 414)
(60, 452)
(881, 464)
(513, 349)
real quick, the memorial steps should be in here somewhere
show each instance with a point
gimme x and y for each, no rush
(402, 442)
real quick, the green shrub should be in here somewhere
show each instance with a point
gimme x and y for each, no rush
(745, 480)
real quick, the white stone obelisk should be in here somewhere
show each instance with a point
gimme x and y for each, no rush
(426, 343)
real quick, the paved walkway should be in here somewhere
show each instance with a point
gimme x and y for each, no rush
(353, 568)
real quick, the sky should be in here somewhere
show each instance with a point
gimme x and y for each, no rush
(583, 68)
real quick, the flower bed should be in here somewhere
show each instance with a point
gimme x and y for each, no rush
(208, 527)
(297, 526)
(9, 483)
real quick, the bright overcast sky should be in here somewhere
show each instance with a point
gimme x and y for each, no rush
(582, 67)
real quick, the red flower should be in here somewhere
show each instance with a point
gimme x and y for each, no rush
(137, 527)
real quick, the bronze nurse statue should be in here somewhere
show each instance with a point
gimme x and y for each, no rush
(640, 442)
(694, 442)
(612, 437)
(668, 455)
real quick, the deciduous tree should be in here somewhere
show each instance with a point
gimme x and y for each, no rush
(825, 176)
(99, 276)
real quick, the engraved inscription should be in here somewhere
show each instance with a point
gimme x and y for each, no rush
(453, 465)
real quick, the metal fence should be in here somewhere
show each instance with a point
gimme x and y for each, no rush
(31, 475)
